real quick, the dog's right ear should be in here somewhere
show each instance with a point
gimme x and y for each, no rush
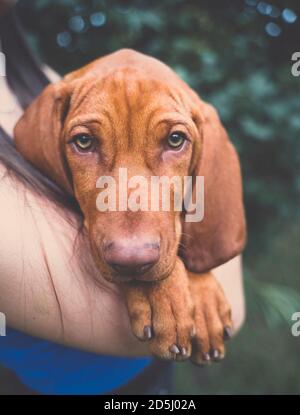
(221, 235)
(38, 133)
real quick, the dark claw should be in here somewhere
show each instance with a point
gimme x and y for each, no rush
(227, 333)
(216, 355)
(174, 349)
(203, 361)
(147, 332)
(193, 331)
(207, 357)
(183, 351)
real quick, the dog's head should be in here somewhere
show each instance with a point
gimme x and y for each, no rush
(129, 113)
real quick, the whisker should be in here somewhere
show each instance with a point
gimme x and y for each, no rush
(181, 245)
(186, 234)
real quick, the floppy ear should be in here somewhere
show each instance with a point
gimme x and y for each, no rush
(222, 232)
(38, 134)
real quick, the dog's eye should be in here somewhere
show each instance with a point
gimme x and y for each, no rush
(83, 142)
(176, 140)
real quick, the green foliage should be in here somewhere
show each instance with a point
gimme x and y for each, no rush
(222, 50)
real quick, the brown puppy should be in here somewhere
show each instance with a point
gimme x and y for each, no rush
(127, 110)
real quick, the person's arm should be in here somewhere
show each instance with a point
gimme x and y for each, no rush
(44, 288)
(230, 276)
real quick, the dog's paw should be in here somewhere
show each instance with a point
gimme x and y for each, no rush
(161, 313)
(212, 319)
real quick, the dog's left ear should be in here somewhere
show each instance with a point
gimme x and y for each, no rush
(38, 133)
(222, 232)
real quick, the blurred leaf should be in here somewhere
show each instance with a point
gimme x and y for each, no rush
(276, 303)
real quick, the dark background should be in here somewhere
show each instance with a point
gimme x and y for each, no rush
(237, 55)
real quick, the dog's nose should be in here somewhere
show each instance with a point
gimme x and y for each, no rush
(131, 257)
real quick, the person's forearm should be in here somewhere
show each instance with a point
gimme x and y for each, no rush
(88, 318)
(44, 289)
(230, 276)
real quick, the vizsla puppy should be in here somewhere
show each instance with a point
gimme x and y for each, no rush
(128, 110)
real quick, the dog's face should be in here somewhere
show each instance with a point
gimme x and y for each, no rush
(129, 121)
(129, 111)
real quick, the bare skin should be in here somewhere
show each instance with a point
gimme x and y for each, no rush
(44, 288)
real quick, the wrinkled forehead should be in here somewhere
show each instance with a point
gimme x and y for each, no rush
(130, 94)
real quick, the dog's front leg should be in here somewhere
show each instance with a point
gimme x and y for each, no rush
(212, 318)
(161, 313)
